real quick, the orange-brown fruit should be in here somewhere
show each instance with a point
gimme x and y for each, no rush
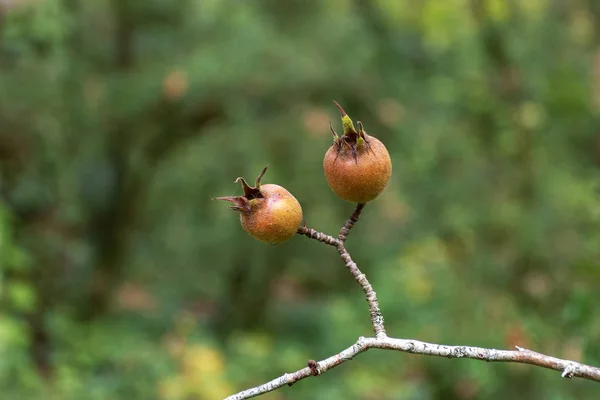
(267, 212)
(357, 165)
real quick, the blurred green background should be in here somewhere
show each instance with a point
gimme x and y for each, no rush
(120, 119)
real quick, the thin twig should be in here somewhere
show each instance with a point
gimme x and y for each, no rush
(361, 279)
(343, 235)
(319, 236)
(569, 369)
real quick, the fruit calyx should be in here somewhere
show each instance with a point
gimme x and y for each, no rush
(242, 203)
(354, 140)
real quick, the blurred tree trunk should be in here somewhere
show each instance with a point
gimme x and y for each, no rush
(110, 225)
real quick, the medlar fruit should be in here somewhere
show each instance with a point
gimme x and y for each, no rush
(357, 165)
(267, 212)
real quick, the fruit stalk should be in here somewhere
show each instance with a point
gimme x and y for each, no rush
(350, 222)
(377, 321)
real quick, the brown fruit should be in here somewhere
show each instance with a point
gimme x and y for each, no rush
(357, 165)
(267, 212)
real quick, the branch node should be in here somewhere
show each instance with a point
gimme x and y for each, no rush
(314, 367)
(361, 344)
(569, 371)
(381, 335)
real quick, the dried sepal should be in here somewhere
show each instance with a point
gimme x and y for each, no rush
(258, 179)
(336, 137)
(240, 203)
(249, 191)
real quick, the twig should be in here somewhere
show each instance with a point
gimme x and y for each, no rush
(319, 236)
(361, 279)
(569, 369)
(343, 235)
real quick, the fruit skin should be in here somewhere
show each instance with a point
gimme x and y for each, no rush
(274, 218)
(357, 166)
(359, 179)
(268, 212)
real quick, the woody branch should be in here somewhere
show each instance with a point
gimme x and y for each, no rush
(568, 368)
(361, 279)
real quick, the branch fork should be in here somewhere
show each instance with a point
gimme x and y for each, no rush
(569, 369)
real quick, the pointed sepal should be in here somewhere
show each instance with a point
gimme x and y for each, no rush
(360, 141)
(337, 141)
(240, 203)
(248, 190)
(258, 179)
(346, 121)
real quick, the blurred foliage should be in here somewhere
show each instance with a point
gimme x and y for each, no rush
(120, 119)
